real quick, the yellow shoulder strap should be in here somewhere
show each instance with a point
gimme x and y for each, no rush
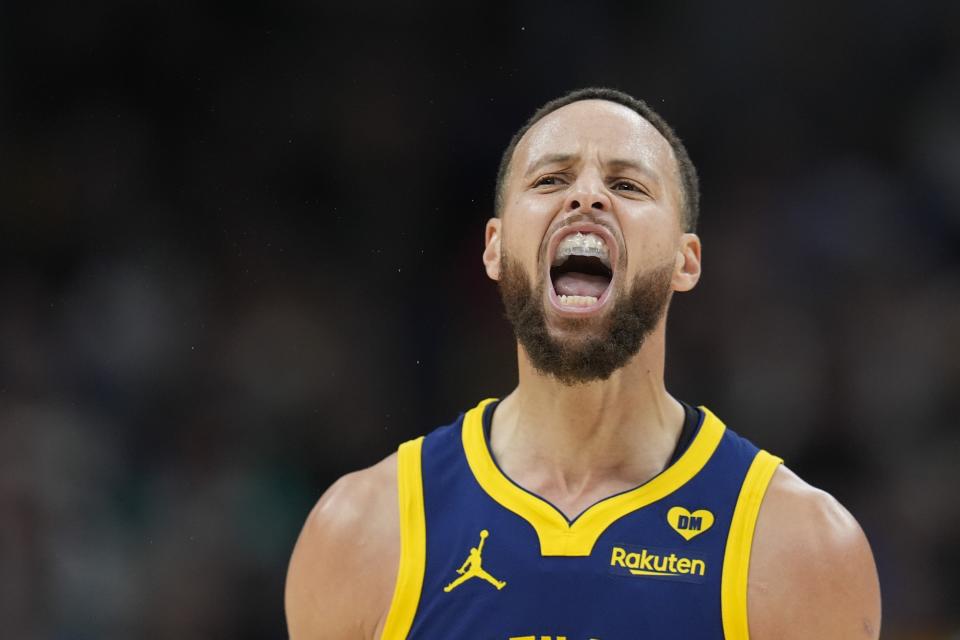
(413, 542)
(736, 558)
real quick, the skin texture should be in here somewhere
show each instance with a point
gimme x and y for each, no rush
(344, 566)
(812, 574)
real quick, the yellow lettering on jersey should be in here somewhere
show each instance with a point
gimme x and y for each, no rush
(645, 563)
(541, 638)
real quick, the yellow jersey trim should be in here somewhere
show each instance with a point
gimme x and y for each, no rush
(413, 542)
(557, 536)
(736, 557)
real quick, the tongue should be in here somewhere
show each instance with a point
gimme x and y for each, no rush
(580, 284)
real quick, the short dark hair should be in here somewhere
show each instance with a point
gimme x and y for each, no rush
(689, 183)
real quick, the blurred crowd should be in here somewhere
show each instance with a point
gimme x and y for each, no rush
(240, 256)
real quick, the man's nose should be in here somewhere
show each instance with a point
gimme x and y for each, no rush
(588, 193)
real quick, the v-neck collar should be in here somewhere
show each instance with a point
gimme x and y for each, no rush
(559, 536)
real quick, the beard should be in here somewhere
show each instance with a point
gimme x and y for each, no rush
(605, 344)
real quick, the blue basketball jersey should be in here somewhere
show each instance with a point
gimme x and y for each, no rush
(483, 559)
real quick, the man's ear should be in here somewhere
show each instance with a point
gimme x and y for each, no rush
(686, 273)
(491, 251)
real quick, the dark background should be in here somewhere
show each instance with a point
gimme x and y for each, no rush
(240, 256)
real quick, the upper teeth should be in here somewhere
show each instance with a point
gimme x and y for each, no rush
(582, 244)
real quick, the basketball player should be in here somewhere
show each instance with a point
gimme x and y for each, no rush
(588, 503)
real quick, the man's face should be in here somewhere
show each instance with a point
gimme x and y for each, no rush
(590, 244)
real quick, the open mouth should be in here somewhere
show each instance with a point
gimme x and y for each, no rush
(581, 270)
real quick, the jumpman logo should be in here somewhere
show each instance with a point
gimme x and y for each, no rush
(472, 567)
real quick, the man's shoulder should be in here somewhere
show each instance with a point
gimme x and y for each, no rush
(350, 504)
(342, 571)
(812, 573)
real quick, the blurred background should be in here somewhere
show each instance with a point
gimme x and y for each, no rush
(240, 256)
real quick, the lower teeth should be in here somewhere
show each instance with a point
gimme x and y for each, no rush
(577, 301)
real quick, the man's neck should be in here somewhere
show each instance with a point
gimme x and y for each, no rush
(575, 445)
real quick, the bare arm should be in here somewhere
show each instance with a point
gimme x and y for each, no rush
(812, 575)
(342, 572)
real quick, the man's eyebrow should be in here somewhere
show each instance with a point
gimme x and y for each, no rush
(552, 158)
(641, 167)
(615, 164)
